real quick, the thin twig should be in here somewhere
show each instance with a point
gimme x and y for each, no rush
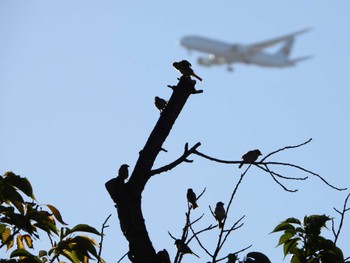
(285, 148)
(102, 234)
(122, 257)
(181, 159)
(337, 233)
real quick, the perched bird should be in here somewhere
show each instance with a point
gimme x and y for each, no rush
(185, 68)
(192, 198)
(220, 213)
(231, 258)
(163, 256)
(123, 172)
(183, 248)
(160, 103)
(250, 157)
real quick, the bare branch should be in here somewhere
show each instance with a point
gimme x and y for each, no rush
(337, 233)
(271, 173)
(273, 163)
(104, 226)
(198, 240)
(182, 158)
(234, 227)
(199, 196)
(236, 253)
(122, 257)
(285, 148)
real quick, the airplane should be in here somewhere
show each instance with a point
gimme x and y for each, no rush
(221, 53)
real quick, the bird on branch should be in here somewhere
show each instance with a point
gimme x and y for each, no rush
(192, 198)
(160, 103)
(185, 68)
(250, 157)
(123, 172)
(183, 248)
(220, 213)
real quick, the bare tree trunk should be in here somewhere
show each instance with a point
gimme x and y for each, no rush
(127, 197)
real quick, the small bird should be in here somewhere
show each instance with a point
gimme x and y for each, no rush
(185, 68)
(192, 198)
(231, 258)
(250, 157)
(220, 213)
(163, 256)
(123, 172)
(160, 103)
(183, 248)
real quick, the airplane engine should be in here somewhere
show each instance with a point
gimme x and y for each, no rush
(205, 61)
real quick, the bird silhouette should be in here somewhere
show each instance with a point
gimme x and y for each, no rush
(250, 157)
(123, 172)
(160, 103)
(220, 213)
(192, 198)
(185, 68)
(183, 248)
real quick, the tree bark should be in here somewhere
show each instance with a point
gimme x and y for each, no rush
(127, 197)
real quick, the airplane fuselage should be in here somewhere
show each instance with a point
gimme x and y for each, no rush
(224, 53)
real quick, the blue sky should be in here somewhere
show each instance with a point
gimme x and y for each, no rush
(77, 82)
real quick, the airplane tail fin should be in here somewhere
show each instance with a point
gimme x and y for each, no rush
(286, 48)
(300, 59)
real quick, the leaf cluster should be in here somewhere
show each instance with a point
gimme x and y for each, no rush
(23, 221)
(304, 242)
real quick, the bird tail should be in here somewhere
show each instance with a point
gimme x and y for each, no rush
(221, 224)
(195, 205)
(194, 75)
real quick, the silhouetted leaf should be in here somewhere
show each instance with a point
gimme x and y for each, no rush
(20, 253)
(295, 259)
(29, 241)
(88, 244)
(19, 242)
(56, 213)
(20, 183)
(283, 226)
(259, 257)
(82, 228)
(289, 245)
(42, 253)
(293, 220)
(285, 237)
(71, 256)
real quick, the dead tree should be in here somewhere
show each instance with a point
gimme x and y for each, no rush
(127, 197)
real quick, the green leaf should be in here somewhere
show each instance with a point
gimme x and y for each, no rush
(285, 237)
(20, 253)
(293, 220)
(71, 256)
(19, 242)
(283, 226)
(289, 245)
(82, 228)
(20, 183)
(56, 213)
(88, 244)
(29, 241)
(295, 259)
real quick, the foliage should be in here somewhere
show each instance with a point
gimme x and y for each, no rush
(304, 242)
(23, 222)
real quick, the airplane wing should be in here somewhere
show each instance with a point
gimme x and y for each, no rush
(264, 44)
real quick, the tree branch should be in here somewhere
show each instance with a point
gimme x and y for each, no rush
(181, 159)
(127, 197)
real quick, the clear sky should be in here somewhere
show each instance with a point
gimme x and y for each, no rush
(77, 82)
